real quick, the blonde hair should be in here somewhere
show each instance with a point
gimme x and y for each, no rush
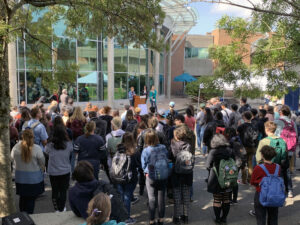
(89, 128)
(77, 114)
(26, 145)
(99, 209)
(117, 122)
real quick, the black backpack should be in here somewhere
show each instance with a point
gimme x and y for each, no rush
(250, 136)
(130, 125)
(120, 171)
(118, 210)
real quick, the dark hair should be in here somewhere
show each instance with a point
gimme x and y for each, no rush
(262, 113)
(34, 111)
(208, 115)
(189, 112)
(129, 143)
(234, 107)
(145, 118)
(254, 112)
(285, 110)
(152, 122)
(106, 110)
(83, 172)
(152, 109)
(230, 133)
(268, 152)
(25, 115)
(92, 114)
(58, 121)
(129, 115)
(244, 99)
(127, 107)
(247, 115)
(191, 107)
(60, 137)
(219, 116)
(224, 104)
(180, 117)
(270, 109)
(151, 138)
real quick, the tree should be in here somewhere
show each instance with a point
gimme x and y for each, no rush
(273, 55)
(127, 20)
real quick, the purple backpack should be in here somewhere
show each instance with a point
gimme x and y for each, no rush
(289, 134)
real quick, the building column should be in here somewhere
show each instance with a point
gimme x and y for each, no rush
(12, 68)
(157, 60)
(110, 72)
(169, 75)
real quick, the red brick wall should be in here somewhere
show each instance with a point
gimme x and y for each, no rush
(177, 68)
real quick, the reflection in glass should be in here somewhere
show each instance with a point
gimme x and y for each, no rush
(143, 83)
(22, 86)
(151, 80)
(120, 85)
(134, 59)
(20, 50)
(87, 55)
(133, 81)
(143, 60)
(161, 84)
(87, 86)
(64, 52)
(120, 58)
(105, 86)
(104, 56)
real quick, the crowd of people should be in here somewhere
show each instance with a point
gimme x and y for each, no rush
(156, 151)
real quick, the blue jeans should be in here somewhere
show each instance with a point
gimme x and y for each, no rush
(199, 138)
(153, 104)
(204, 148)
(126, 191)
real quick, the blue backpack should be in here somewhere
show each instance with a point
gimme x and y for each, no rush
(272, 189)
(158, 165)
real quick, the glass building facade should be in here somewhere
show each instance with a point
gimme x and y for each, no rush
(132, 67)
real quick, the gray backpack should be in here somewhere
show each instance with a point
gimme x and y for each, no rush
(185, 162)
(112, 144)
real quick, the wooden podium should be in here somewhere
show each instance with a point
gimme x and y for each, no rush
(138, 100)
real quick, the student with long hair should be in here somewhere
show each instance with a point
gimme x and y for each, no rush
(126, 190)
(91, 147)
(190, 119)
(59, 166)
(77, 122)
(105, 115)
(29, 166)
(99, 210)
(130, 122)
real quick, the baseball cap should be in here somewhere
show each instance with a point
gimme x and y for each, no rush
(202, 105)
(172, 104)
(138, 109)
(161, 112)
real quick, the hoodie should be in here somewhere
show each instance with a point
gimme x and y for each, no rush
(211, 130)
(80, 195)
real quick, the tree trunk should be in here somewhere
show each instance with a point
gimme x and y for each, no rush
(7, 200)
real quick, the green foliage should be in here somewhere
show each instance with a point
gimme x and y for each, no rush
(212, 87)
(250, 91)
(274, 55)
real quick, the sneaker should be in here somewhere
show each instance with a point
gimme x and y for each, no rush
(130, 221)
(252, 213)
(290, 194)
(233, 202)
(134, 200)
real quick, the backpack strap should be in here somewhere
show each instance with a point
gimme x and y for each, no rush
(264, 169)
(276, 173)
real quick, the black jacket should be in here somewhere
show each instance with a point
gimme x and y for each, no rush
(101, 127)
(220, 150)
(108, 120)
(179, 179)
(244, 108)
(141, 139)
(210, 131)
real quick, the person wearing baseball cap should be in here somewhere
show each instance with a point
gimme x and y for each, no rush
(137, 114)
(171, 111)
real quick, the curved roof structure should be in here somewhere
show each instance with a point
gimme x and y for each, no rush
(180, 18)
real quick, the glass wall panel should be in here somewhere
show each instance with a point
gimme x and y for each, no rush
(144, 60)
(161, 84)
(105, 86)
(38, 55)
(87, 86)
(150, 62)
(22, 86)
(161, 63)
(134, 59)
(104, 56)
(133, 81)
(199, 53)
(120, 85)
(20, 50)
(120, 59)
(64, 53)
(143, 82)
(151, 80)
(39, 84)
(87, 55)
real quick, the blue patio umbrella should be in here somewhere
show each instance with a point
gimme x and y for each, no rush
(185, 77)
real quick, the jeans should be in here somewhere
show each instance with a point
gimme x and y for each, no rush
(60, 185)
(156, 195)
(199, 138)
(204, 148)
(131, 102)
(26, 204)
(287, 177)
(126, 191)
(261, 213)
(153, 104)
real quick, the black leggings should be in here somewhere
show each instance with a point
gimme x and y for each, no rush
(60, 185)
(26, 204)
(222, 205)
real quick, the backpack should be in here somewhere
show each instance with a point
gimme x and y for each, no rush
(289, 134)
(158, 165)
(272, 192)
(26, 127)
(220, 130)
(130, 125)
(112, 144)
(250, 136)
(185, 162)
(280, 147)
(227, 174)
(120, 172)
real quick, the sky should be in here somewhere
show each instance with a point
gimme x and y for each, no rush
(209, 14)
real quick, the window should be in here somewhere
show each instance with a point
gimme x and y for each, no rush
(120, 85)
(87, 55)
(198, 53)
(87, 86)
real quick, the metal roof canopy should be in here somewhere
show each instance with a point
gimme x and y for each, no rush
(180, 18)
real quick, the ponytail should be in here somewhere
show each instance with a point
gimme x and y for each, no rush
(26, 145)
